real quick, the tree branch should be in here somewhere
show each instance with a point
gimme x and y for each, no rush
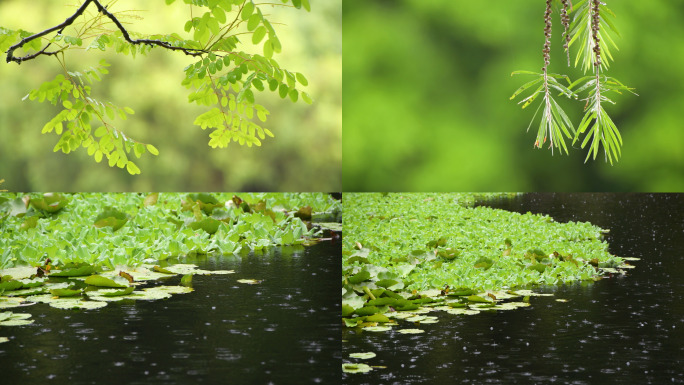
(71, 19)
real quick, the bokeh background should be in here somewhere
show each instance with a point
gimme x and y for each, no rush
(427, 87)
(305, 155)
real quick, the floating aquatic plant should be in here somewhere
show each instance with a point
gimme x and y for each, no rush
(405, 255)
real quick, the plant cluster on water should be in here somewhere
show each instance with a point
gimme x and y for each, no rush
(402, 252)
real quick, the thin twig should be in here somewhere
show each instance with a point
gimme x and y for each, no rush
(71, 19)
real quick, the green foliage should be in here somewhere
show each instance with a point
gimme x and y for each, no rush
(223, 77)
(128, 229)
(395, 230)
(591, 30)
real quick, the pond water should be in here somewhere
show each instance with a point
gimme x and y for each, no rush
(284, 330)
(620, 330)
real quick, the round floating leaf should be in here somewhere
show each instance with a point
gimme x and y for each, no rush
(477, 298)
(356, 368)
(249, 281)
(19, 272)
(186, 280)
(377, 328)
(79, 271)
(463, 311)
(50, 202)
(112, 218)
(162, 270)
(10, 285)
(377, 318)
(16, 322)
(411, 331)
(67, 303)
(362, 356)
(3, 339)
(170, 289)
(98, 280)
(114, 292)
(10, 302)
(65, 292)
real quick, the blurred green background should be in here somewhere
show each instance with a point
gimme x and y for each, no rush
(305, 155)
(427, 87)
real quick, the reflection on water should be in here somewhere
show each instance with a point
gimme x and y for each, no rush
(284, 330)
(620, 330)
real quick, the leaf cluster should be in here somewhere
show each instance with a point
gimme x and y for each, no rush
(223, 78)
(596, 127)
(128, 229)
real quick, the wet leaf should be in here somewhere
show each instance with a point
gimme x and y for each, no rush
(356, 368)
(377, 318)
(377, 328)
(114, 292)
(362, 356)
(111, 217)
(411, 331)
(186, 280)
(10, 302)
(49, 202)
(65, 292)
(162, 270)
(249, 281)
(75, 271)
(98, 280)
(10, 285)
(210, 225)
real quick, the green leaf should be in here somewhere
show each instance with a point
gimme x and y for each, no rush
(153, 150)
(247, 10)
(258, 35)
(79, 271)
(98, 280)
(254, 21)
(132, 168)
(301, 79)
(219, 14)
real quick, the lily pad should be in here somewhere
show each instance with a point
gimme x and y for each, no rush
(377, 328)
(249, 281)
(66, 303)
(65, 292)
(10, 285)
(19, 272)
(10, 302)
(16, 322)
(356, 368)
(115, 292)
(463, 311)
(411, 331)
(3, 339)
(98, 280)
(362, 356)
(78, 271)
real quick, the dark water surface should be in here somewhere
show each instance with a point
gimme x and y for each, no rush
(283, 331)
(623, 330)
